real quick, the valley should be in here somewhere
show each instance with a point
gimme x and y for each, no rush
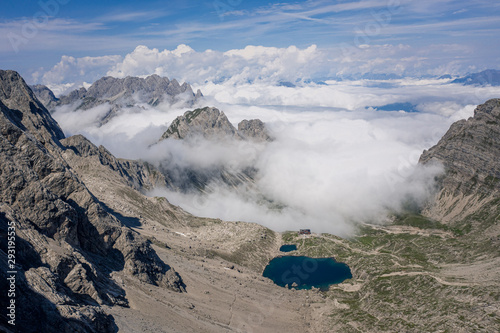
(107, 256)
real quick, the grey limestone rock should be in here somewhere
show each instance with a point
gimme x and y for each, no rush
(208, 122)
(121, 93)
(212, 124)
(254, 129)
(70, 241)
(45, 95)
(21, 108)
(470, 153)
(139, 175)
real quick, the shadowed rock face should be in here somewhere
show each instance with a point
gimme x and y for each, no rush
(20, 106)
(469, 151)
(68, 241)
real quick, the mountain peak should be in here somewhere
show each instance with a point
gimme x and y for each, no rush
(122, 93)
(14, 92)
(490, 108)
(209, 122)
(254, 129)
(20, 105)
(69, 241)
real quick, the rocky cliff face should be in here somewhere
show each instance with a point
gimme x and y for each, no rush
(470, 152)
(138, 175)
(67, 241)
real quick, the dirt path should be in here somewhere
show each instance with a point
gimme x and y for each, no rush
(438, 279)
(403, 229)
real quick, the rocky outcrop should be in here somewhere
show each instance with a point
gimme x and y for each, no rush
(470, 153)
(68, 242)
(208, 122)
(212, 124)
(254, 129)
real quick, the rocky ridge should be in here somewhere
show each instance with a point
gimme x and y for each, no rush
(121, 94)
(469, 152)
(212, 124)
(68, 242)
(207, 122)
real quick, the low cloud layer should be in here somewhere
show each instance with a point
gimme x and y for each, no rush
(336, 159)
(326, 171)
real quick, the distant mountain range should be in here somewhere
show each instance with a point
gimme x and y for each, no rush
(121, 94)
(489, 77)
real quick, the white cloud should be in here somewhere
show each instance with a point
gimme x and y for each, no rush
(328, 169)
(334, 161)
(71, 72)
(254, 64)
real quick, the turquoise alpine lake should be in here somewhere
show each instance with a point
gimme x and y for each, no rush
(305, 272)
(288, 248)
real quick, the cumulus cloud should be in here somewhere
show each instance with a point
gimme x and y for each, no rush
(70, 72)
(254, 64)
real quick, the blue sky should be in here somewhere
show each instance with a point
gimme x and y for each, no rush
(36, 34)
